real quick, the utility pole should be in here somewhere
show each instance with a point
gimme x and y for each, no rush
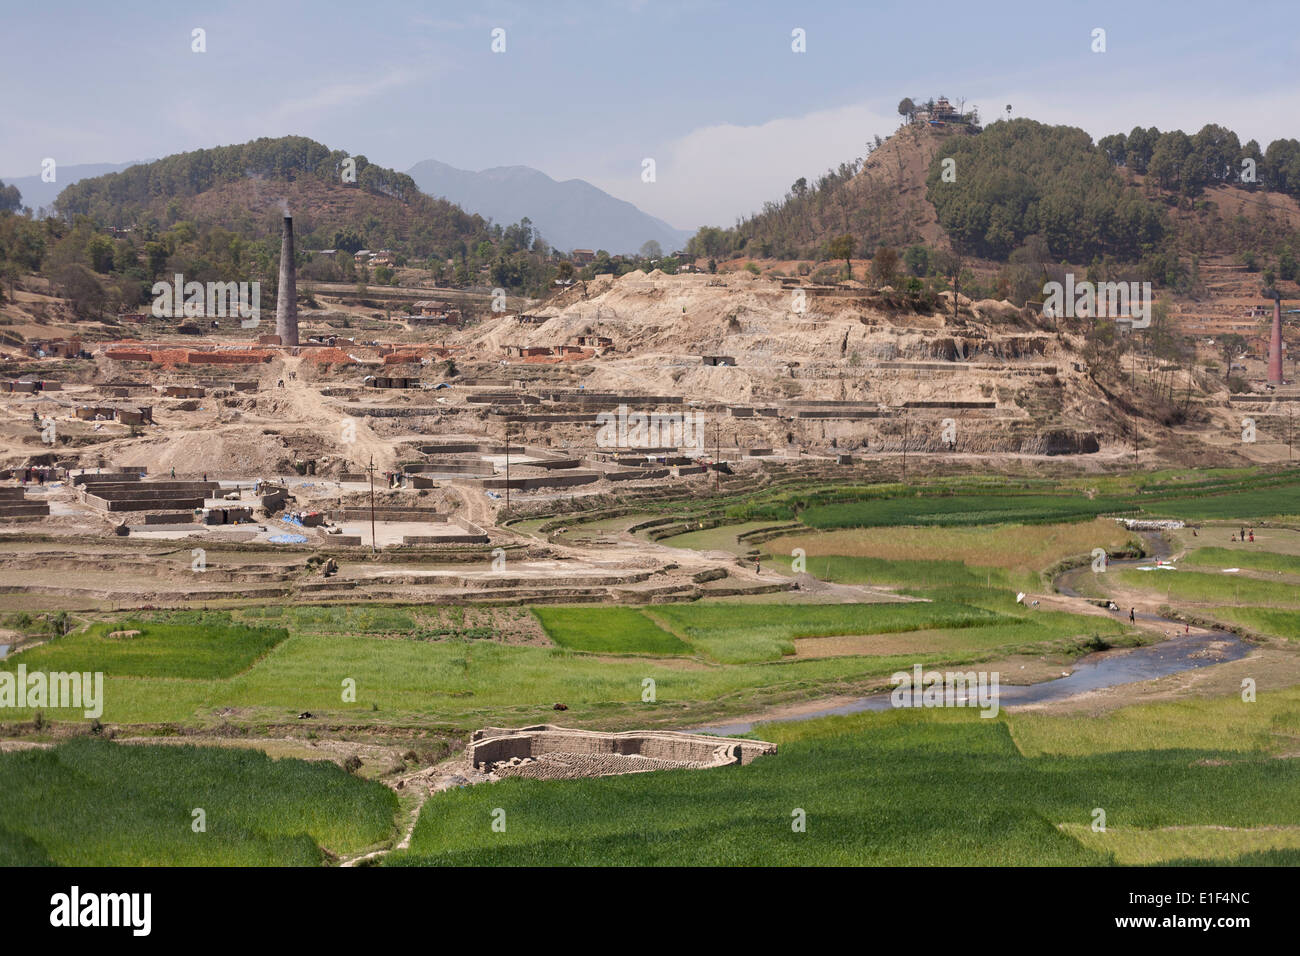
(905, 424)
(717, 462)
(507, 424)
(370, 470)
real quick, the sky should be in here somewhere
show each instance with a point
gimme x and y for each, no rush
(713, 92)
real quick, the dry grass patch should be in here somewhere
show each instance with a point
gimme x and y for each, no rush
(1012, 547)
(1135, 846)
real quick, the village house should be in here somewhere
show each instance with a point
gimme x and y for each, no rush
(433, 312)
(390, 381)
(526, 351)
(55, 348)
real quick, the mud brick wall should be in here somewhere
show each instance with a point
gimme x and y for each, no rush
(493, 744)
(389, 514)
(566, 480)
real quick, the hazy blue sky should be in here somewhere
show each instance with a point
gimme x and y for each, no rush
(711, 90)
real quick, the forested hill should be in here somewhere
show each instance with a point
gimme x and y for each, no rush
(1021, 178)
(1147, 196)
(244, 188)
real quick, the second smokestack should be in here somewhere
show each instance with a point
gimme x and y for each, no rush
(1275, 343)
(286, 299)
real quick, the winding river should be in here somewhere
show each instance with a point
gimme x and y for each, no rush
(1184, 652)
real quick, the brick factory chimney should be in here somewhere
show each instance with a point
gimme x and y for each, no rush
(286, 299)
(1275, 343)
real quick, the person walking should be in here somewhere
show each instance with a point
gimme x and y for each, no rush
(1132, 618)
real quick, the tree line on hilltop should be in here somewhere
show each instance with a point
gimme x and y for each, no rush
(114, 236)
(1025, 195)
(1019, 180)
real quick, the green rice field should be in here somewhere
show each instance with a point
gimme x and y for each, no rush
(607, 630)
(1198, 779)
(887, 789)
(94, 803)
(186, 651)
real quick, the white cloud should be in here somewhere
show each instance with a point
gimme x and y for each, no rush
(337, 95)
(714, 174)
(200, 126)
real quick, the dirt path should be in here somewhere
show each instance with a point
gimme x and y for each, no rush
(358, 441)
(478, 506)
(412, 817)
(1144, 617)
(424, 783)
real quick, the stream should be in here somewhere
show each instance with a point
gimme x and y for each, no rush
(1184, 652)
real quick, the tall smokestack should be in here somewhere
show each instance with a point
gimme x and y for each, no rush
(286, 300)
(1275, 343)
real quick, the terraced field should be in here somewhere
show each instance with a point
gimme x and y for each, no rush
(900, 789)
(1007, 547)
(1202, 776)
(597, 670)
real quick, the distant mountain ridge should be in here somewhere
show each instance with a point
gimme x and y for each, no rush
(37, 193)
(572, 214)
